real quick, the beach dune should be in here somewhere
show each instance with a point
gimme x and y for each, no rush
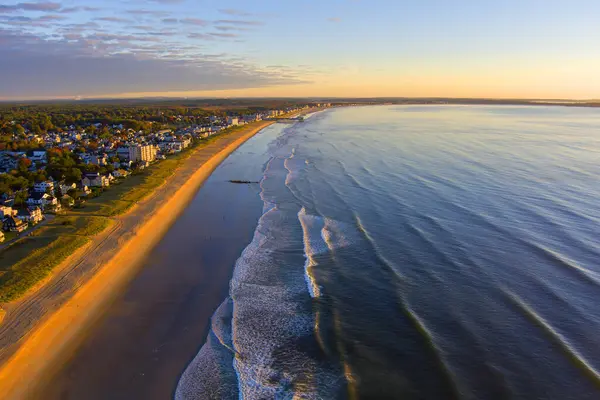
(121, 252)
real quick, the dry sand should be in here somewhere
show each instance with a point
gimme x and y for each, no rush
(116, 256)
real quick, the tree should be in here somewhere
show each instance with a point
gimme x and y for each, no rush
(5, 188)
(35, 128)
(91, 129)
(74, 193)
(46, 123)
(104, 133)
(23, 164)
(93, 146)
(21, 198)
(74, 175)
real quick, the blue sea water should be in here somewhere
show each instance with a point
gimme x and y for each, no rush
(418, 252)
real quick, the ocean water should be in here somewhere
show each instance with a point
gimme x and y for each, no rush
(418, 252)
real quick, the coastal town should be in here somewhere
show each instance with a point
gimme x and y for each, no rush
(44, 172)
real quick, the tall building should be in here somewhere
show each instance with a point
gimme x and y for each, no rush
(142, 153)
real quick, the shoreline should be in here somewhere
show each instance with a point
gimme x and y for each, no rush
(57, 335)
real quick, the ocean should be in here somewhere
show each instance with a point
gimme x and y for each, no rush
(417, 252)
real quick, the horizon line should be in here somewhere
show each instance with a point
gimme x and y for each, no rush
(358, 98)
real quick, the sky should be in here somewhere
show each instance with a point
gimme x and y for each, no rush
(543, 49)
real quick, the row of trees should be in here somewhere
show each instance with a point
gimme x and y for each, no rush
(137, 115)
(38, 119)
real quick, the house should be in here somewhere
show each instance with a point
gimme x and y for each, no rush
(39, 156)
(38, 199)
(85, 190)
(65, 188)
(67, 201)
(98, 159)
(42, 200)
(95, 180)
(6, 211)
(233, 121)
(1, 236)
(43, 187)
(120, 173)
(126, 164)
(32, 215)
(56, 206)
(13, 224)
(177, 146)
(123, 153)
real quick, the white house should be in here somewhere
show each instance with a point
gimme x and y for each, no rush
(85, 190)
(43, 187)
(65, 187)
(32, 215)
(95, 180)
(39, 156)
(7, 211)
(42, 200)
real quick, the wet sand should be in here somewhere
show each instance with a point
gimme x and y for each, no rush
(151, 332)
(44, 329)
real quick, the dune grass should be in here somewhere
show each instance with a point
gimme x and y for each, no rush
(20, 277)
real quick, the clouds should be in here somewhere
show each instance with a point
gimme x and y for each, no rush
(147, 12)
(50, 50)
(113, 19)
(238, 22)
(194, 21)
(43, 6)
(120, 74)
(83, 59)
(234, 12)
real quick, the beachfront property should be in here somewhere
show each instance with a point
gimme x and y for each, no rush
(84, 189)
(96, 158)
(32, 215)
(120, 173)
(95, 179)
(141, 152)
(13, 224)
(42, 199)
(65, 188)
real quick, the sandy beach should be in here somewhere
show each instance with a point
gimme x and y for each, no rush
(42, 330)
(149, 334)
